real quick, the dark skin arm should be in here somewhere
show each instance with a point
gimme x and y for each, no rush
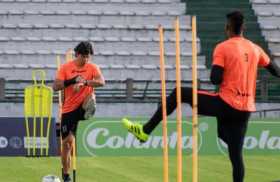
(58, 85)
(216, 76)
(273, 68)
(217, 72)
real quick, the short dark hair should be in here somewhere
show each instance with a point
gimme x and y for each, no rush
(235, 20)
(84, 48)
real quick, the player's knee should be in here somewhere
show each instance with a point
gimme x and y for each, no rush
(67, 145)
(67, 142)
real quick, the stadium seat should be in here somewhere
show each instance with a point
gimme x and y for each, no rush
(8, 1)
(27, 52)
(8, 25)
(15, 12)
(6, 66)
(94, 12)
(4, 39)
(48, 39)
(72, 26)
(47, 12)
(40, 26)
(43, 52)
(21, 66)
(39, 1)
(56, 25)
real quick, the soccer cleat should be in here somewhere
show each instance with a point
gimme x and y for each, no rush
(136, 129)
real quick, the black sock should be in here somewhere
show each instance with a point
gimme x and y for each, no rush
(65, 176)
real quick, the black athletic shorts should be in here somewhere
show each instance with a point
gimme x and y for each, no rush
(70, 120)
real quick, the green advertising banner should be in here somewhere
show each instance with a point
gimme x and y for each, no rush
(104, 137)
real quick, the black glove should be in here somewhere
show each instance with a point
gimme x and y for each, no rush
(72, 81)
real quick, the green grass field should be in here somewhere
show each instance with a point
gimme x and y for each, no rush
(138, 169)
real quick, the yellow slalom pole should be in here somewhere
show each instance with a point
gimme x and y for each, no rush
(194, 110)
(41, 122)
(27, 135)
(34, 124)
(40, 111)
(178, 99)
(27, 114)
(58, 62)
(69, 57)
(163, 100)
(74, 162)
(49, 125)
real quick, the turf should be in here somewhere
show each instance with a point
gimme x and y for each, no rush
(138, 169)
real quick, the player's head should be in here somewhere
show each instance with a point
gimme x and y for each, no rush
(235, 23)
(83, 51)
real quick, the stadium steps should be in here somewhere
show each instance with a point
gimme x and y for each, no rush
(92, 1)
(76, 30)
(104, 57)
(110, 18)
(49, 7)
(211, 19)
(269, 19)
(136, 72)
(115, 44)
(213, 26)
(271, 32)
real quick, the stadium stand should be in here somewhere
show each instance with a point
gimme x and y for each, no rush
(211, 25)
(211, 19)
(268, 18)
(124, 33)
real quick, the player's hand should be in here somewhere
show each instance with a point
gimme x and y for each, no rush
(79, 79)
(73, 80)
(78, 86)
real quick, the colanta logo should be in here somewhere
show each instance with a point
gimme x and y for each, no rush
(111, 136)
(262, 142)
(129, 141)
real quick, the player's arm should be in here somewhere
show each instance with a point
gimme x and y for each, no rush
(273, 68)
(61, 84)
(270, 65)
(58, 85)
(98, 81)
(217, 70)
(216, 75)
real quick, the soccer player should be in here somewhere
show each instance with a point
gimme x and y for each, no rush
(77, 78)
(234, 69)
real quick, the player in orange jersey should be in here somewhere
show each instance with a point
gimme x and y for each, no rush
(234, 69)
(77, 78)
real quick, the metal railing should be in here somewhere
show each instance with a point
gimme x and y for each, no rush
(130, 90)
